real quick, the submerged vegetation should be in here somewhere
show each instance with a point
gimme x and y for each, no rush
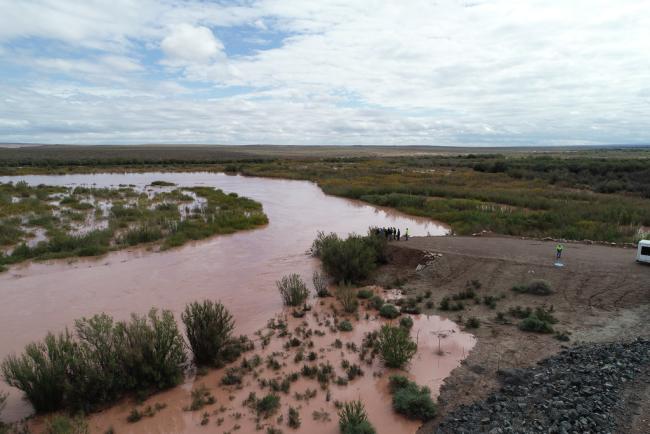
(411, 400)
(395, 346)
(103, 360)
(293, 290)
(208, 327)
(85, 221)
(354, 420)
(577, 194)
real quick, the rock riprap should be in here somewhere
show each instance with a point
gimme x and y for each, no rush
(578, 390)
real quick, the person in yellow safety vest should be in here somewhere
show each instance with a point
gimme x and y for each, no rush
(406, 234)
(558, 251)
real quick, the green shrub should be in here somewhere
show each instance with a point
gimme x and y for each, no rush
(473, 323)
(141, 234)
(293, 419)
(411, 400)
(349, 260)
(320, 284)
(345, 326)
(490, 301)
(268, 405)
(536, 287)
(406, 322)
(293, 290)
(61, 424)
(152, 351)
(395, 346)
(376, 302)
(446, 304)
(208, 327)
(134, 416)
(365, 294)
(389, 311)
(353, 419)
(519, 312)
(98, 376)
(41, 371)
(534, 324)
(345, 294)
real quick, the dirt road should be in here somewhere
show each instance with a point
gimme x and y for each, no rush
(600, 294)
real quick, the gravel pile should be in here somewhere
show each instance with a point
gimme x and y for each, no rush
(577, 391)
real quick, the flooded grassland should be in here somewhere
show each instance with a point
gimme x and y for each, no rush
(240, 270)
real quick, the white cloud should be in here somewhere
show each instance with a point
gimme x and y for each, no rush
(187, 44)
(412, 72)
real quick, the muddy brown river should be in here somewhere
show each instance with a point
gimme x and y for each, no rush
(238, 269)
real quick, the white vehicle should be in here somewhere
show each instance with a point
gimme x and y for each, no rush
(643, 254)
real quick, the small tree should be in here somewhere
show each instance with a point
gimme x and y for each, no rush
(208, 327)
(396, 348)
(293, 290)
(353, 419)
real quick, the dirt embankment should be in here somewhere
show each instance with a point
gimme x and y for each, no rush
(600, 294)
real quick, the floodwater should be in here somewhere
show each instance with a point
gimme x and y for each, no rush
(238, 269)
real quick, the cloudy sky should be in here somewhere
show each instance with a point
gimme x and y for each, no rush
(408, 72)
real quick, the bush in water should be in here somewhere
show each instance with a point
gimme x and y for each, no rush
(345, 294)
(349, 260)
(152, 351)
(104, 361)
(208, 327)
(389, 311)
(376, 302)
(320, 284)
(41, 372)
(354, 420)
(406, 322)
(396, 348)
(293, 290)
(411, 400)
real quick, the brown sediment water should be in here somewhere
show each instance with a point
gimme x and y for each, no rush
(238, 269)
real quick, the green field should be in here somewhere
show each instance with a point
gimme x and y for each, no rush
(574, 193)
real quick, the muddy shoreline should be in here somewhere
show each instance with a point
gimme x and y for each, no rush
(600, 295)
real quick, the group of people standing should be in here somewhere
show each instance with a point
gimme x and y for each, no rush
(392, 233)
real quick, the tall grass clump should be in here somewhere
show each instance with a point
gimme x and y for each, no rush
(395, 346)
(347, 297)
(351, 259)
(293, 290)
(320, 284)
(100, 363)
(141, 234)
(411, 400)
(208, 326)
(354, 420)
